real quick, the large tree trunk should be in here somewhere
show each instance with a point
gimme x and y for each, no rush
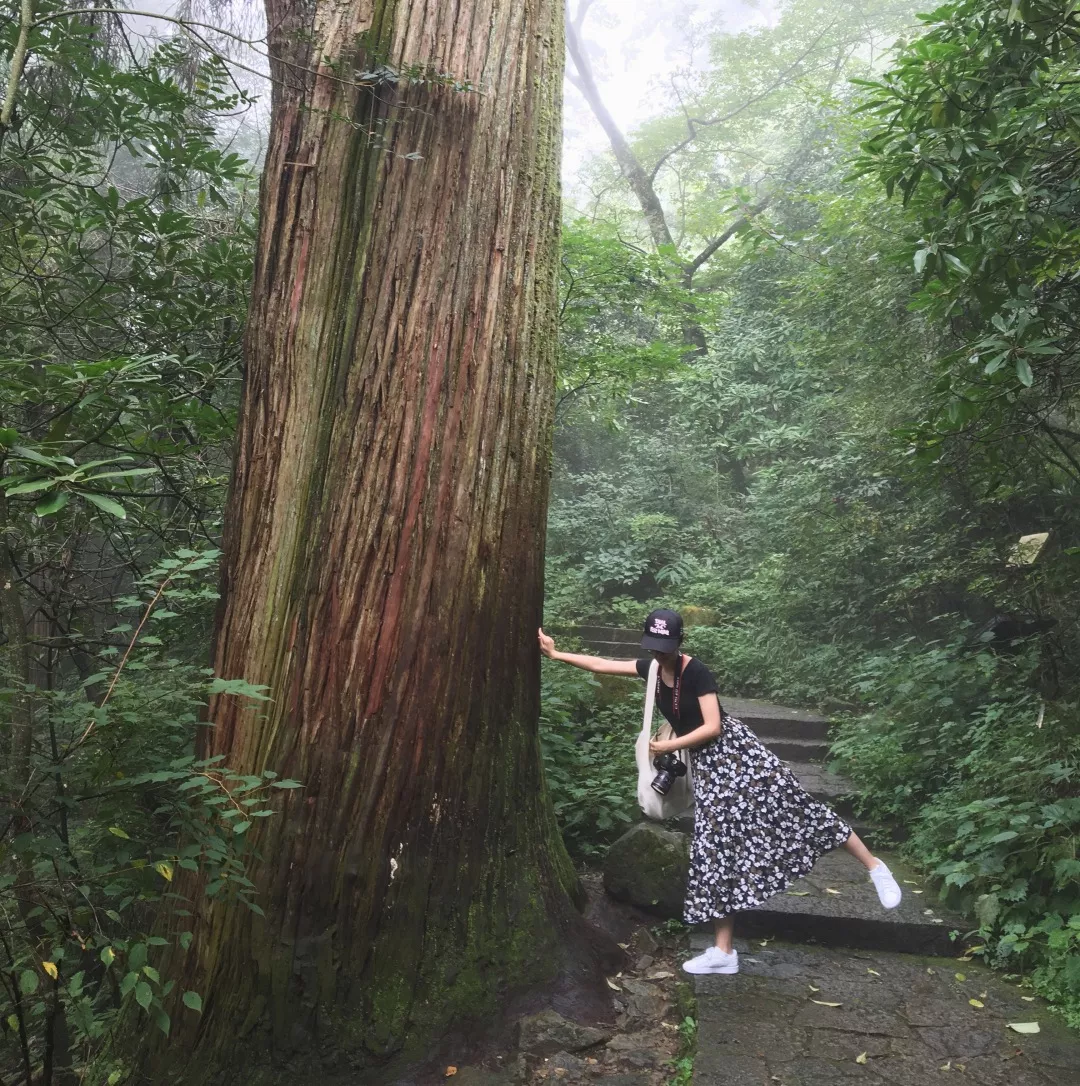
(384, 539)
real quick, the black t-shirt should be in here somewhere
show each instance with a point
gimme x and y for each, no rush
(696, 680)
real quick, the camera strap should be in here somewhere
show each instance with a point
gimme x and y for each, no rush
(676, 688)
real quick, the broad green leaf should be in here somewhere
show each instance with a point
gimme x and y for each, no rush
(31, 487)
(106, 504)
(52, 504)
(143, 995)
(193, 1001)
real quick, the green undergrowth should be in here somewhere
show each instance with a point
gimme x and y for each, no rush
(587, 733)
(959, 748)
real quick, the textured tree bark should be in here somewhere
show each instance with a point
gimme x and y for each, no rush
(384, 538)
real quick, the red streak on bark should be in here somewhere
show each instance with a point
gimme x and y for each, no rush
(298, 285)
(391, 617)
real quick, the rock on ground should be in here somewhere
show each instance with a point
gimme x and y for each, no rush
(647, 867)
(548, 1033)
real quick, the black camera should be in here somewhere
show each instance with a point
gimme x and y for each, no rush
(670, 767)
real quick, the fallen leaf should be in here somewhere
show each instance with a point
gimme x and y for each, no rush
(961, 977)
(946, 1066)
(625, 946)
(591, 1060)
(974, 949)
(932, 972)
(612, 985)
(1028, 999)
(798, 893)
(918, 891)
(976, 1002)
(873, 972)
(451, 1070)
(661, 975)
(910, 882)
(830, 890)
(982, 995)
(812, 988)
(861, 1058)
(765, 942)
(822, 1003)
(1024, 1027)
(50, 968)
(928, 912)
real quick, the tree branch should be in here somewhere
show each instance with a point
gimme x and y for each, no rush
(628, 162)
(18, 62)
(691, 266)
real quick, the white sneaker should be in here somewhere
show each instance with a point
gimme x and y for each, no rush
(888, 890)
(714, 960)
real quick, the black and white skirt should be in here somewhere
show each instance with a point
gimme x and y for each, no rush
(755, 830)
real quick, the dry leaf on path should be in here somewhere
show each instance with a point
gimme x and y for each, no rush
(798, 893)
(451, 1070)
(977, 1003)
(830, 890)
(662, 975)
(822, 1003)
(612, 985)
(861, 1058)
(1024, 1027)
(812, 988)
(873, 972)
(1028, 999)
(961, 977)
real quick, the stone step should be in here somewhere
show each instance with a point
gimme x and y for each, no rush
(781, 728)
(906, 1018)
(797, 750)
(837, 905)
(777, 721)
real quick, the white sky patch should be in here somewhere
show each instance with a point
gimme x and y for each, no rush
(636, 47)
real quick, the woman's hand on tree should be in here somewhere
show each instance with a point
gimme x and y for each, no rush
(547, 645)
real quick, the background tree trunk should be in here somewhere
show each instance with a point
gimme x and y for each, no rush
(384, 540)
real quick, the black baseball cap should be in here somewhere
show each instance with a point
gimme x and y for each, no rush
(663, 631)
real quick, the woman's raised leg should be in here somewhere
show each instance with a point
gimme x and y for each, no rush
(888, 889)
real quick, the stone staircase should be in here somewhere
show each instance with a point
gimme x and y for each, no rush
(833, 989)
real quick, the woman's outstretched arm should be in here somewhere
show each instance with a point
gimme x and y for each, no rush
(597, 664)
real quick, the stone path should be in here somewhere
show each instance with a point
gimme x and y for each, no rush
(909, 1020)
(849, 997)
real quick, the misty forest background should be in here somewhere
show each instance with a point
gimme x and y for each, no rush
(819, 371)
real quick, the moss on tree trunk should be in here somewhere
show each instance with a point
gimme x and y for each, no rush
(384, 539)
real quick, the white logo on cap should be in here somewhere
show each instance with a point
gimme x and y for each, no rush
(659, 626)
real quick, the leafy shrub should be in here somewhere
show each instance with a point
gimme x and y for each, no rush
(959, 748)
(104, 806)
(588, 759)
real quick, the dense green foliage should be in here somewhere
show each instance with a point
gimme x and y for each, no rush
(832, 491)
(124, 263)
(821, 442)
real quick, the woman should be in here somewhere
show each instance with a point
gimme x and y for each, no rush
(755, 829)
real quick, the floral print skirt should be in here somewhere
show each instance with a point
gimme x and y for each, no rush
(755, 830)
